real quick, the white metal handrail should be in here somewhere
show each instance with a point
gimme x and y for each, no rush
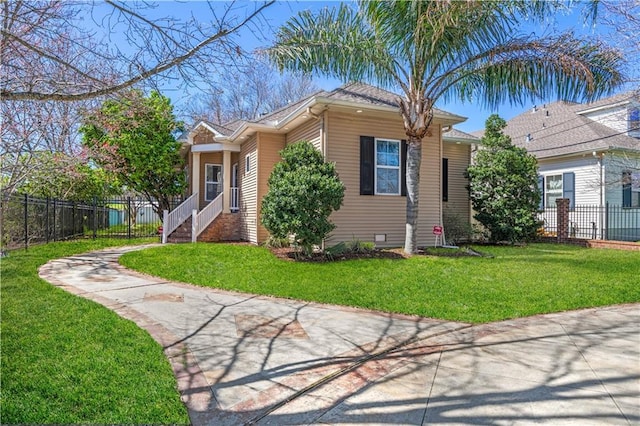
(206, 216)
(171, 220)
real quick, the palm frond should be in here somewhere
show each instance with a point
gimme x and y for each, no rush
(334, 42)
(523, 69)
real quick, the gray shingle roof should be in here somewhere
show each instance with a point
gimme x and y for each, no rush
(455, 134)
(557, 129)
(352, 92)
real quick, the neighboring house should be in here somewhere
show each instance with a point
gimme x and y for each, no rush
(590, 154)
(358, 127)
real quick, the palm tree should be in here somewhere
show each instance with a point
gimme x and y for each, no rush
(441, 50)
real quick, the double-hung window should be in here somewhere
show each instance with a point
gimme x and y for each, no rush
(559, 186)
(553, 189)
(212, 181)
(387, 171)
(630, 189)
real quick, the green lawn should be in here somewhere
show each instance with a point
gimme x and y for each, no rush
(515, 282)
(65, 359)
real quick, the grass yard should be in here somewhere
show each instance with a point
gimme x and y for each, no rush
(67, 360)
(515, 282)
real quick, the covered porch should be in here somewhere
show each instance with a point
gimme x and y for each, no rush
(213, 170)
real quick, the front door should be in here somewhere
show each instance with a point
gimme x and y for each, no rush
(212, 181)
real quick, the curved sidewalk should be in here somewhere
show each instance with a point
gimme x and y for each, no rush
(245, 359)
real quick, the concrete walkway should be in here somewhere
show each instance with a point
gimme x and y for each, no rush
(244, 359)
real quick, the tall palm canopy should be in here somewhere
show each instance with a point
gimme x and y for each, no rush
(441, 50)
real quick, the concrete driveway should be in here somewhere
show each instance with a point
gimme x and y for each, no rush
(246, 359)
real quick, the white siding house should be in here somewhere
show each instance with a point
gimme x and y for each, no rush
(589, 153)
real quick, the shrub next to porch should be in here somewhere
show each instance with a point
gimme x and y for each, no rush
(303, 192)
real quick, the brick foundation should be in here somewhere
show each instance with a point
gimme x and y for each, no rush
(620, 245)
(226, 227)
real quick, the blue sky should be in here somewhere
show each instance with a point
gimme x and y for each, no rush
(278, 13)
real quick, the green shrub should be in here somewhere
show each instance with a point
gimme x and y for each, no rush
(503, 185)
(303, 192)
(457, 229)
(359, 246)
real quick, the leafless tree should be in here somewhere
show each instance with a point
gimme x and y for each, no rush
(75, 50)
(622, 17)
(29, 130)
(246, 91)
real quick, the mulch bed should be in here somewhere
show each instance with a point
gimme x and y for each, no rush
(289, 254)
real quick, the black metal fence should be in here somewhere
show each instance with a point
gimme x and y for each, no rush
(606, 222)
(27, 220)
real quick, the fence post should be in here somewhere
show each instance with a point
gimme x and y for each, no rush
(129, 217)
(54, 219)
(563, 219)
(95, 217)
(47, 221)
(606, 221)
(165, 222)
(26, 226)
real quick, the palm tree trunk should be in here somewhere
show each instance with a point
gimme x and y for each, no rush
(414, 158)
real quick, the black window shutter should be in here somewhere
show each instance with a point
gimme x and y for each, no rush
(403, 168)
(626, 189)
(541, 189)
(569, 188)
(367, 164)
(445, 179)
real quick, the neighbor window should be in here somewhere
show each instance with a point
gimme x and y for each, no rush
(212, 181)
(630, 189)
(553, 190)
(559, 186)
(387, 167)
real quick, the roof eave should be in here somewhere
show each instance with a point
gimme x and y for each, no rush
(603, 107)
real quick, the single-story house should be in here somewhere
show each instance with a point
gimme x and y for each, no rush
(588, 153)
(349, 125)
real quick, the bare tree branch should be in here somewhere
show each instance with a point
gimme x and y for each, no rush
(47, 53)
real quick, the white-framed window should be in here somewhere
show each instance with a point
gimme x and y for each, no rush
(387, 170)
(553, 189)
(630, 189)
(558, 186)
(212, 181)
(247, 164)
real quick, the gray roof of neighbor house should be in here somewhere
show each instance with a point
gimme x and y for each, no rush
(558, 129)
(351, 93)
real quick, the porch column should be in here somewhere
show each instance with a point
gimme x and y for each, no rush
(226, 181)
(195, 174)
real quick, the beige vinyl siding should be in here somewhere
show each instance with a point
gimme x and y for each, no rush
(206, 158)
(310, 131)
(248, 191)
(363, 216)
(458, 202)
(269, 147)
